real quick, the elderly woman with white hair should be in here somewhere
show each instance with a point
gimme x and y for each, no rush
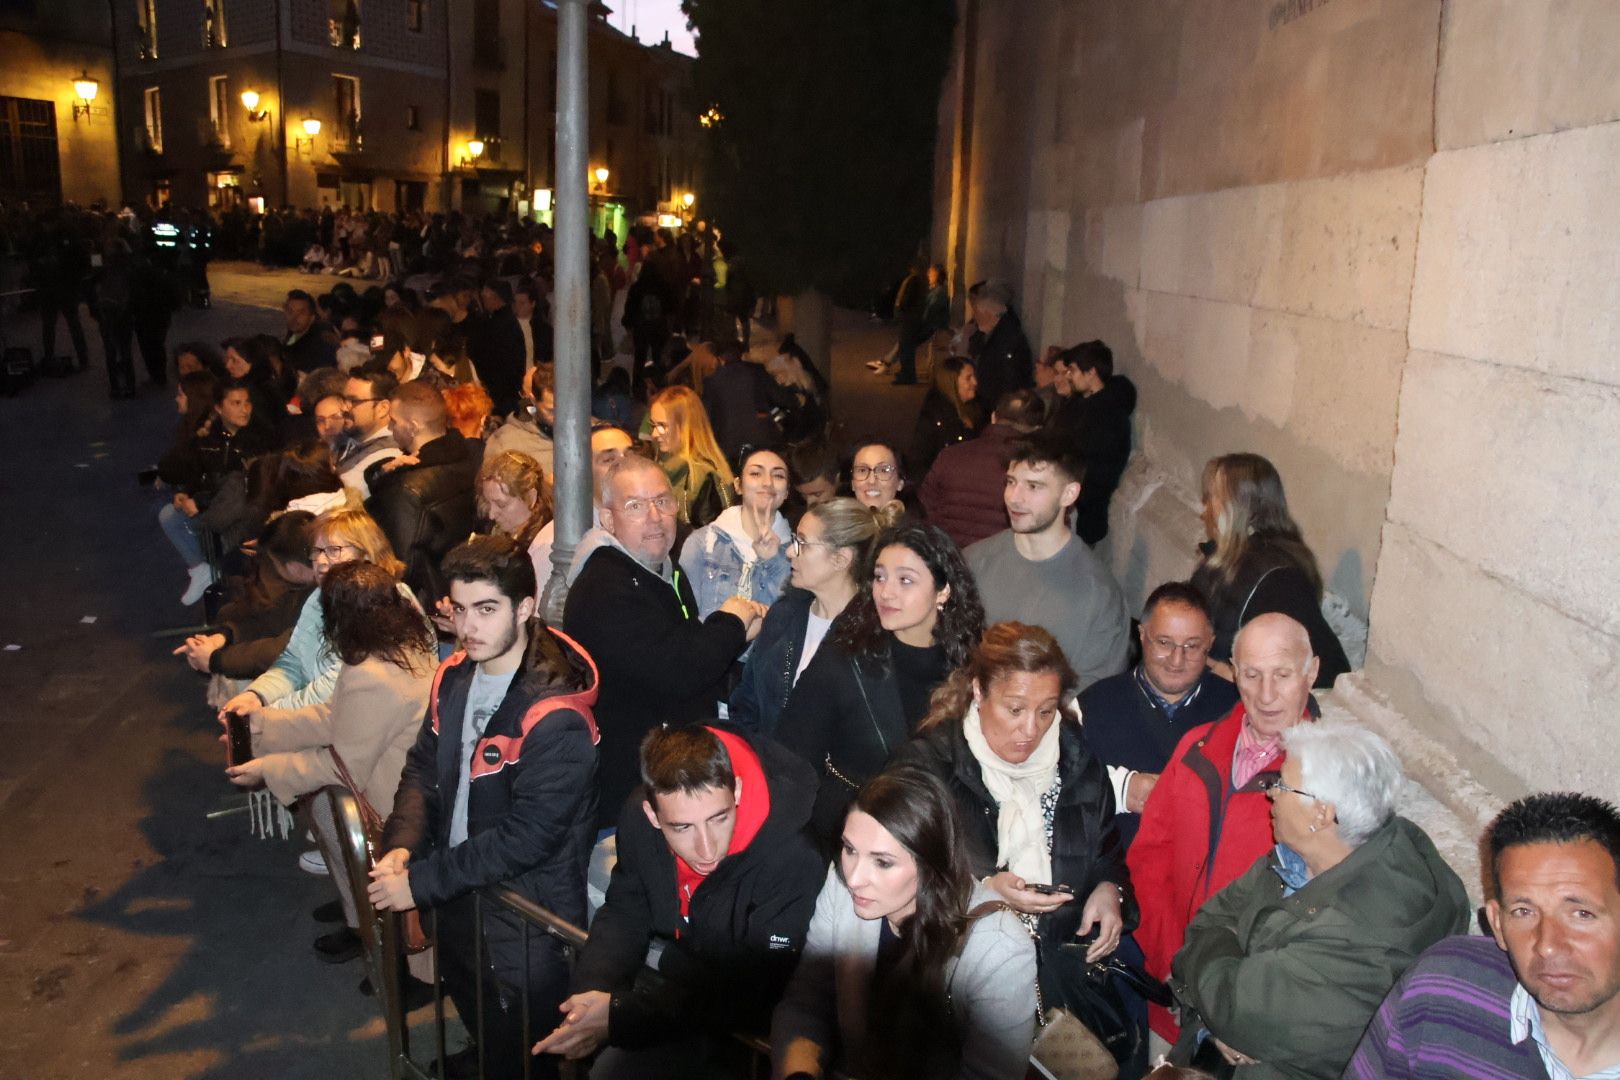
(1282, 970)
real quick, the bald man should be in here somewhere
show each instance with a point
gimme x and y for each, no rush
(424, 500)
(1208, 818)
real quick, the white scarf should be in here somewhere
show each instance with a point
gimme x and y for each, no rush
(1017, 789)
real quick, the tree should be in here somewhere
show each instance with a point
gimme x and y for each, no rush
(820, 165)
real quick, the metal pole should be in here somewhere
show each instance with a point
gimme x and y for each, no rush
(571, 299)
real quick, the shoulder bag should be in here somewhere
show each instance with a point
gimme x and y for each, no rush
(412, 935)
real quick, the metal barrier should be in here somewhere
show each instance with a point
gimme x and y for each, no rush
(384, 953)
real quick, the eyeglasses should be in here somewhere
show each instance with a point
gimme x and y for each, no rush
(658, 427)
(635, 509)
(861, 472)
(359, 400)
(1164, 648)
(798, 543)
(1275, 783)
(334, 553)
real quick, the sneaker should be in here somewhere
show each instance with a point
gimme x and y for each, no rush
(877, 365)
(338, 947)
(313, 862)
(202, 576)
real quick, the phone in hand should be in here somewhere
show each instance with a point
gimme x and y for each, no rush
(239, 739)
(1049, 890)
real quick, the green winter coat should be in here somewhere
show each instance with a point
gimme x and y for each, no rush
(1292, 981)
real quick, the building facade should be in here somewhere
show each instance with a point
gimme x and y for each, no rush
(58, 121)
(383, 105)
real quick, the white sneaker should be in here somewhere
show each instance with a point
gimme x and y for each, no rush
(202, 576)
(313, 862)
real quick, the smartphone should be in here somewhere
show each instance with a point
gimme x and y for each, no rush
(1049, 890)
(376, 342)
(239, 748)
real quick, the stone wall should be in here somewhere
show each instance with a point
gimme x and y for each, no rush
(1370, 239)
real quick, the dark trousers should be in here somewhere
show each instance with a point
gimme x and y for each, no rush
(153, 338)
(649, 340)
(50, 307)
(906, 352)
(117, 344)
(505, 969)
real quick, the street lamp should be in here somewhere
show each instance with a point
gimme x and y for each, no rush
(688, 199)
(602, 175)
(86, 88)
(475, 151)
(250, 101)
(312, 128)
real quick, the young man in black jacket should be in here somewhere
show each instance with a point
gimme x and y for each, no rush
(500, 789)
(718, 873)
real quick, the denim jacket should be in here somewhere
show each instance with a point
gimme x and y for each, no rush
(713, 561)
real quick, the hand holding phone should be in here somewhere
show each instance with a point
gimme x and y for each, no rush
(239, 739)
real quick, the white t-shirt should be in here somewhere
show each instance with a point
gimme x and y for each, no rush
(815, 630)
(483, 698)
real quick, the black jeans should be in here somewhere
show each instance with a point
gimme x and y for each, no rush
(50, 307)
(117, 344)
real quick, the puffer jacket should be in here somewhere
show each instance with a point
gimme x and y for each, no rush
(719, 561)
(428, 508)
(531, 804)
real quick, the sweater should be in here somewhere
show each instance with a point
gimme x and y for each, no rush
(990, 990)
(1448, 1019)
(1072, 594)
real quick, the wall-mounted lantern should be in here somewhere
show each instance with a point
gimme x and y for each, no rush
(86, 88)
(312, 128)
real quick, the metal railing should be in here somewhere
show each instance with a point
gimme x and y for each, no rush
(384, 954)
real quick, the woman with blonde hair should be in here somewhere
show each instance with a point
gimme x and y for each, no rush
(1256, 561)
(689, 455)
(306, 670)
(515, 499)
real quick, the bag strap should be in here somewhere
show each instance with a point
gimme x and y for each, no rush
(1244, 610)
(369, 818)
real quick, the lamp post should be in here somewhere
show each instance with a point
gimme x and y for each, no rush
(312, 128)
(571, 301)
(87, 89)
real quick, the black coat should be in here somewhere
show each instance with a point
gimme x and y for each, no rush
(739, 398)
(1267, 580)
(426, 509)
(659, 663)
(938, 425)
(315, 349)
(531, 806)
(1004, 362)
(198, 464)
(745, 923)
(1086, 849)
(845, 717)
(497, 355)
(1098, 428)
(1125, 726)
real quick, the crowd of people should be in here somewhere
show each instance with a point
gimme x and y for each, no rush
(885, 773)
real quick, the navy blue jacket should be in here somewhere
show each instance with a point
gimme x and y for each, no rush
(1127, 727)
(767, 679)
(531, 806)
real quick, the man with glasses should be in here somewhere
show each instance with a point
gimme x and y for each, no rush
(1135, 719)
(365, 400)
(1208, 818)
(1037, 572)
(634, 612)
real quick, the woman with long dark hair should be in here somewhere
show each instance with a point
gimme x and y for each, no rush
(1256, 561)
(915, 620)
(950, 414)
(366, 727)
(910, 967)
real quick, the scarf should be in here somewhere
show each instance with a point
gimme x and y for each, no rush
(1017, 789)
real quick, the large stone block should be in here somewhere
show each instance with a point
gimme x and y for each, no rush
(1513, 472)
(1511, 676)
(1113, 243)
(1510, 69)
(1517, 262)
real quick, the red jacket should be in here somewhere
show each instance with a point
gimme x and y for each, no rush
(1197, 837)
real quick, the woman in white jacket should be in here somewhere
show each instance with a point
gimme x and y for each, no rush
(910, 968)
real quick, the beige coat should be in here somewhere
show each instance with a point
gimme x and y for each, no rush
(371, 719)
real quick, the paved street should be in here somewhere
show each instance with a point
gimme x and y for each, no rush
(138, 939)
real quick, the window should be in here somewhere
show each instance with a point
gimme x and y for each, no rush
(146, 29)
(154, 119)
(214, 24)
(29, 159)
(219, 109)
(346, 105)
(413, 118)
(615, 100)
(343, 23)
(487, 114)
(415, 15)
(487, 34)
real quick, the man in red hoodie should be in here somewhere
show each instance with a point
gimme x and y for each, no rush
(717, 877)
(1208, 818)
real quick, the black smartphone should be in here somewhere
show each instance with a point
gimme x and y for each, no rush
(1049, 890)
(239, 744)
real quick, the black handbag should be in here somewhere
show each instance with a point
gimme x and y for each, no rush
(1093, 993)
